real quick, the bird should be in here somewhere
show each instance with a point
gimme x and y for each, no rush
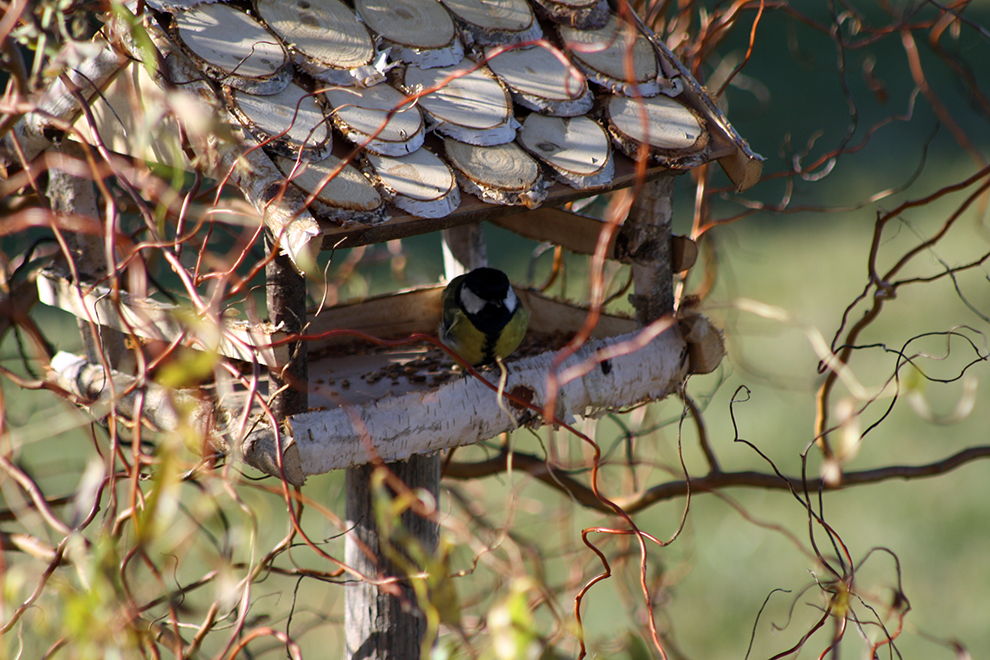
(482, 316)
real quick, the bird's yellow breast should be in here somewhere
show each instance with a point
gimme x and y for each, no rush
(512, 335)
(464, 338)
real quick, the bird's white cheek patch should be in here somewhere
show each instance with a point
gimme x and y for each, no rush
(511, 302)
(470, 301)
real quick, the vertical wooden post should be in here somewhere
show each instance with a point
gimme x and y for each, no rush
(286, 294)
(380, 626)
(70, 194)
(377, 625)
(646, 238)
(463, 250)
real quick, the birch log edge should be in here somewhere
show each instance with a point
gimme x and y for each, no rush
(674, 134)
(150, 319)
(744, 166)
(375, 119)
(72, 195)
(645, 240)
(164, 409)
(171, 411)
(232, 48)
(580, 14)
(602, 55)
(289, 122)
(494, 22)
(541, 82)
(420, 184)
(466, 411)
(338, 192)
(469, 103)
(503, 174)
(577, 149)
(28, 136)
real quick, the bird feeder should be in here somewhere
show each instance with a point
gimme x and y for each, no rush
(346, 126)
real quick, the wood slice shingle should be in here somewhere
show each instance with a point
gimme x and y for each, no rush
(233, 48)
(494, 22)
(577, 149)
(376, 119)
(341, 194)
(674, 134)
(286, 123)
(419, 32)
(327, 40)
(469, 103)
(503, 174)
(603, 53)
(420, 184)
(538, 80)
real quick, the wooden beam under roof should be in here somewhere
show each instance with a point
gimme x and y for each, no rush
(474, 210)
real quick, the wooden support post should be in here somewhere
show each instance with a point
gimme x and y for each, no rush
(463, 250)
(74, 195)
(645, 239)
(286, 289)
(379, 626)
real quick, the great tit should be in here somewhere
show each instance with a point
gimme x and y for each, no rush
(482, 317)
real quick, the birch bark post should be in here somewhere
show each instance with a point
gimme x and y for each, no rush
(378, 625)
(73, 195)
(286, 297)
(646, 241)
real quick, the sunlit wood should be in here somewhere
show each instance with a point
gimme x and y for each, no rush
(420, 184)
(577, 149)
(233, 48)
(327, 40)
(503, 174)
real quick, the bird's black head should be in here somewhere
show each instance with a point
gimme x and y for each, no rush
(487, 298)
(489, 284)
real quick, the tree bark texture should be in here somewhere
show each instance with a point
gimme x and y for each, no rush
(380, 626)
(73, 195)
(645, 240)
(287, 312)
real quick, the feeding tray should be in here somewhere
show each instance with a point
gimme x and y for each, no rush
(350, 368)
(396, 400)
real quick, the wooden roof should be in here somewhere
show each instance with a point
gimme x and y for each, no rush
(442, 113)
